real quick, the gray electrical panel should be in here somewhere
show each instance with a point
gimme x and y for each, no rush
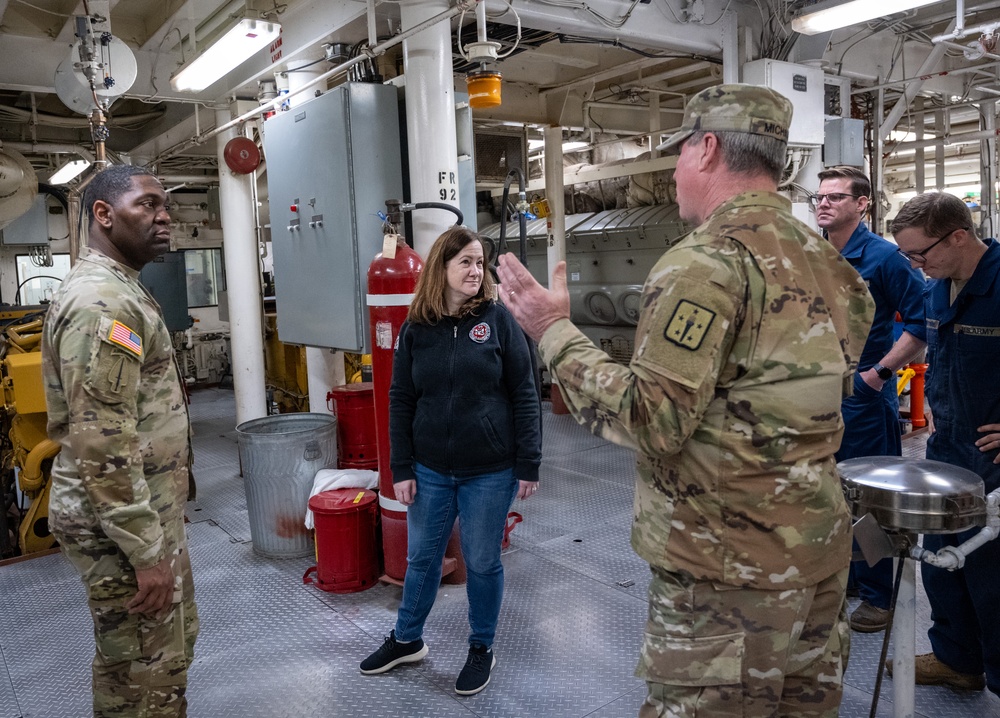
(32, 227)
(331, 164)
(844, 143)
(166, 279)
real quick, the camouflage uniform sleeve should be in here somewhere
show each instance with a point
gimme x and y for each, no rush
(101, 380)
(689, 306)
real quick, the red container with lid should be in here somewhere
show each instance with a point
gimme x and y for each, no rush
(354, 407)
(346, 540)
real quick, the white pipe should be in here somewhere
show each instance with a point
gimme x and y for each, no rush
(959, 16)
(340, 69)
(963, 138)
(372, 30)
(904, 642)
(985, 29)
(952, 558)
(481, 22)
(430, 121)
(243, 283)
(555, 194)
(52, 147)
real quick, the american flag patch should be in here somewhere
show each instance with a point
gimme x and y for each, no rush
(123, 336)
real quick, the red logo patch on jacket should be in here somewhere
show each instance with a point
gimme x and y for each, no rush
(480, 333)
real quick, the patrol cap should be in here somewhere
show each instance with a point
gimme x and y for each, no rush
(753, 109)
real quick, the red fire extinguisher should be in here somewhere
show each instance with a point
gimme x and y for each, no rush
(391, 284)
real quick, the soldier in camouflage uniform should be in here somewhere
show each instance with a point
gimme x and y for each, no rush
(749, 336)
(119, 484)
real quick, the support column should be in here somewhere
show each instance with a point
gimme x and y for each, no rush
(904, 642)
(988, 170)
(555, 193)
(239, 247)
(918, 133)
(940, 130)
(430, 120)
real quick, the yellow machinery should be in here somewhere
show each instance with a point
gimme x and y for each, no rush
(25, 449)
(285, 370)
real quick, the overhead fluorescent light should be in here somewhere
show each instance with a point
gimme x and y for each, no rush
(247, 37)
(835, 14)
(69, 171)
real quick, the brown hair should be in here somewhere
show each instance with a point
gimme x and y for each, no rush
(860, 184)
(936, 213)
(429, 303)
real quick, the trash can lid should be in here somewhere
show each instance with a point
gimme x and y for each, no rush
(361, 387)
(340, 500)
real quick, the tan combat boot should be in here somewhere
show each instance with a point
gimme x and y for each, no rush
(932, 672)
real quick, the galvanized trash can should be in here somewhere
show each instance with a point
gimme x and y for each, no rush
(280, 456)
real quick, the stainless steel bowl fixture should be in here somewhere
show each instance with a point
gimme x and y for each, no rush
(914, 495)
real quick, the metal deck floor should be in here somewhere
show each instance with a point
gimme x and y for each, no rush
(568, 639)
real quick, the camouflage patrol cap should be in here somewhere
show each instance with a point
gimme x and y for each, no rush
(752, 109)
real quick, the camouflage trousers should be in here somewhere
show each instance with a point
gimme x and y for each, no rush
(717, 651)
(140, 663)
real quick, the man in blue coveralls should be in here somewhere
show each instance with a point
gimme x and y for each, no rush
(935, 232)
(871, 414)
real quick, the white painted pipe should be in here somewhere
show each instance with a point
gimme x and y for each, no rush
(904, 642)
(430, 121)
(984, 29)
(50, 147)
(481, 22)
(555, 194)
(239, 247)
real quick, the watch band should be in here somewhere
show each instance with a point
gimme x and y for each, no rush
(884, 372)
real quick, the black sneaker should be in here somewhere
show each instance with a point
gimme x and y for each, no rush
(476, 674)
(391, 653)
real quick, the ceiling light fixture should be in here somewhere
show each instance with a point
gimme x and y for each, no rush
(234, 47)
(69, 171)
(835, 14)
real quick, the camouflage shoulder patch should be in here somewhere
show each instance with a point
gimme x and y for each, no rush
(688, 325)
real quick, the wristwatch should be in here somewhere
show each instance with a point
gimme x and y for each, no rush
(884, 372)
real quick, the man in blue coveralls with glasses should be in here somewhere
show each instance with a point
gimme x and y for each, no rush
(935, 232)
(871, 414)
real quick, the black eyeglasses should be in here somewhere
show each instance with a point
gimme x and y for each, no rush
(833, 198)
(921, 256)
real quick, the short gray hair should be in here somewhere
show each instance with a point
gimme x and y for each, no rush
(750, 154)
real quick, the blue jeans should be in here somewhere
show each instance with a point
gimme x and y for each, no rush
(481, 504)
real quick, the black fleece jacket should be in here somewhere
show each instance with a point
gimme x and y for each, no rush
(463, 399)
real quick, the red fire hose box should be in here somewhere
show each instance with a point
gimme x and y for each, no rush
(346, 540)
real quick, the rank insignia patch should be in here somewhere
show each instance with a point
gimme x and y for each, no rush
(125, 337)
(689, 325)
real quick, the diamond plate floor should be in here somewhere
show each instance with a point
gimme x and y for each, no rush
(567, 641)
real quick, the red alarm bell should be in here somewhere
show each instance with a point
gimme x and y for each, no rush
(241, 155)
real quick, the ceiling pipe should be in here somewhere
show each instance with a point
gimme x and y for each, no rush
(54, 148)
(375, 51)
(960, 139)
(923, 77)
(984, 29)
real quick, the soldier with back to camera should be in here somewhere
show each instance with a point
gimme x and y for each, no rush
(750, 332)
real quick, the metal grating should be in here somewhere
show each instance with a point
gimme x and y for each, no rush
(568, 639)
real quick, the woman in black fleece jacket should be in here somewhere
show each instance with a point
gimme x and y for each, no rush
(465, 440)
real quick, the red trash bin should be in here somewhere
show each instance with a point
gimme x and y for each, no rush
(354, 407)
(346, 540)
